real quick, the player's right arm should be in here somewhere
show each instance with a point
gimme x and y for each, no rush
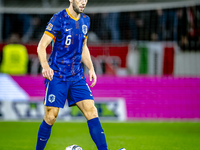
(47, 72)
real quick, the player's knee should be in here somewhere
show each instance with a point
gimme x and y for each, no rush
(50, 119)
(91, 113)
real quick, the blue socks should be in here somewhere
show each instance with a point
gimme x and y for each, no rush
(43, 135)
(97, 133)
(95, 129)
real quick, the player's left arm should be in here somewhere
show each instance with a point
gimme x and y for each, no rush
(86, 59)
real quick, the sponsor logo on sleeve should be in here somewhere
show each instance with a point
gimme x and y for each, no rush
(49, 27)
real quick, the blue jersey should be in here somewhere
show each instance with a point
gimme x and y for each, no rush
(68, 35)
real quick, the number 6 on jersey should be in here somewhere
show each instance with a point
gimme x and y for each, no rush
(68, 40)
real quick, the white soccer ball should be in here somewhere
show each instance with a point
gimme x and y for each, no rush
(73, 147)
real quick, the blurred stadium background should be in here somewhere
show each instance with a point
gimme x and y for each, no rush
(146, 54)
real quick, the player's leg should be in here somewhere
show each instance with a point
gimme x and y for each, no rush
(55, 97)
(44, 132)
(95, 128)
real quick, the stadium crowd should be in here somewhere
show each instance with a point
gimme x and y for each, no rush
(181, 25)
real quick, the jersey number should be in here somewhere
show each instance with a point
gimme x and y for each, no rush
(68, 40)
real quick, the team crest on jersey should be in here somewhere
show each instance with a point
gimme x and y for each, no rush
(84, 29)
(49, 27)
(51, 98)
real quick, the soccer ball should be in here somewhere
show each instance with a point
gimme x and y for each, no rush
(73, 147)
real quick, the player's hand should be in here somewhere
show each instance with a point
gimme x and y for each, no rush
(47, 73)
(93, 77)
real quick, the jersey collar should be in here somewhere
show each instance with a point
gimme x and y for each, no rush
(72, 16)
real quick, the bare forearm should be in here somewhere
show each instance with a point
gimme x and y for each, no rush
(86, 58)
(88, 64)
(47, 72)
(41, 50)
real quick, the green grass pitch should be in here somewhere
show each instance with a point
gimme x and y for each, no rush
(131, 135)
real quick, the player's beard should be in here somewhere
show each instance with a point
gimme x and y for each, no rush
(75, 7)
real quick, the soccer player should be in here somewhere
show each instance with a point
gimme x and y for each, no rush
(63, 73)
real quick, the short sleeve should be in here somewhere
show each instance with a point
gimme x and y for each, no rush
(54, 26)
(88, 26)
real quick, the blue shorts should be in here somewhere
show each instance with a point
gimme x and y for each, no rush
(58, 91)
